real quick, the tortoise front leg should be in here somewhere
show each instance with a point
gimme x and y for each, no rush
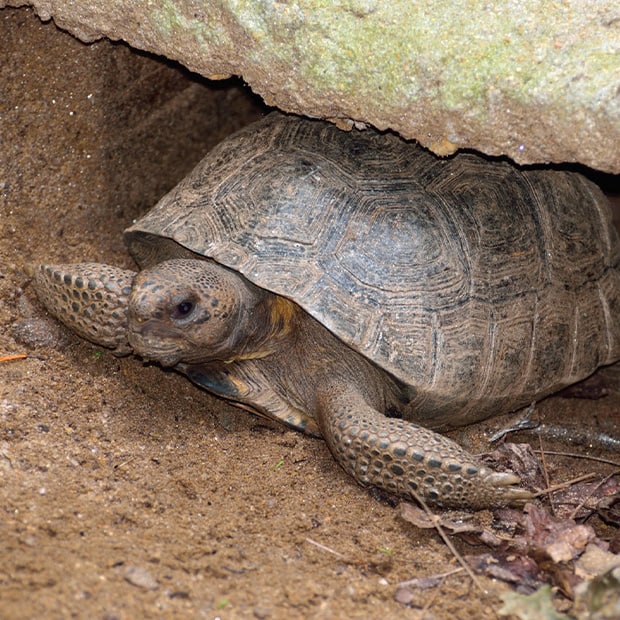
(89, 298)
(407, 459)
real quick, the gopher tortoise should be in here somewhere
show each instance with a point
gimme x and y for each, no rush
(354, 286)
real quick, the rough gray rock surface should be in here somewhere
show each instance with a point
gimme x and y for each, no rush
(536, 80)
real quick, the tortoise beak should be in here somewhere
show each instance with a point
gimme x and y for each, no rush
(154, 342)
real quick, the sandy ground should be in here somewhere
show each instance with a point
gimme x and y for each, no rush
(125, 492)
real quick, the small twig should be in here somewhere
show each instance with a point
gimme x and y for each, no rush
(12, 358)
(437, 525)
(563, 485)
(442, 576)
(125, 462)
(324, 548)
(587, 457)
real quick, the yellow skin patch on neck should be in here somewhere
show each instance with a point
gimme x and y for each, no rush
(282, 315)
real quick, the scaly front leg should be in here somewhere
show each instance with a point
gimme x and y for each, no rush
(409, 460)
(89, 298)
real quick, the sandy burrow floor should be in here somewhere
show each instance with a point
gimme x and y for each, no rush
(125, 492)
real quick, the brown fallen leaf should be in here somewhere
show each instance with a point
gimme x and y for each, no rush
(472, 533)
(559, 539)
(520, 570)
(596, 561)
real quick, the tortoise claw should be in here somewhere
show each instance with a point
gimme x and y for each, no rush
(502, 479)
(502, 489)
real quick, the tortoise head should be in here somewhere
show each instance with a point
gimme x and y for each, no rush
(192, 311)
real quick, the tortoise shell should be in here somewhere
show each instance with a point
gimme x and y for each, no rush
(480, 284)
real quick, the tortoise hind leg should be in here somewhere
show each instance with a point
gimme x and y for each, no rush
(409, 460)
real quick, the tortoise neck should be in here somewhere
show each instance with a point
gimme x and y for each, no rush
(265, 325)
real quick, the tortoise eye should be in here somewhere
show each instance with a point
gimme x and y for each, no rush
(183, 309)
